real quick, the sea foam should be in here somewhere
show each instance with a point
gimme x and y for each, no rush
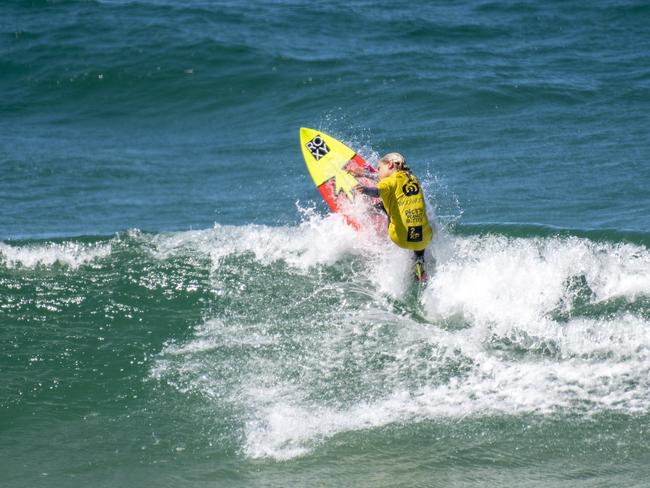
(71, 254)
(509, 326)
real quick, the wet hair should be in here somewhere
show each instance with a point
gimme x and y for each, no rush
(398, 161)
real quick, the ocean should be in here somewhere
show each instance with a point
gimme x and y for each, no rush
(179, 308)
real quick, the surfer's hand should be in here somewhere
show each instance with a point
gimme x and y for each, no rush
(356, 171)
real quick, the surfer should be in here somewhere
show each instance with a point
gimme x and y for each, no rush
(401, 195)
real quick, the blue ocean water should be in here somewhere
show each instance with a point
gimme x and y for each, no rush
(177, 307)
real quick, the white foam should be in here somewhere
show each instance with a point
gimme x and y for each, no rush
(214, 334)
(72, 254)
(285, 431)
(501, 280)
(287, 426)
(527, 336)
(317, 240)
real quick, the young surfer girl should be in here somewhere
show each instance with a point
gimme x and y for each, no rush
(401, 194)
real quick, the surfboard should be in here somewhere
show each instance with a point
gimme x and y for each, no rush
(328, 161)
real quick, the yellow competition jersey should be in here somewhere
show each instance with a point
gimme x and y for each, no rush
(402, 197)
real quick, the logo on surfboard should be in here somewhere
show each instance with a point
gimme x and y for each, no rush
(317, 147)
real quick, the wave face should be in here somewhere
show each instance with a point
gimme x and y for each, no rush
(256, 344)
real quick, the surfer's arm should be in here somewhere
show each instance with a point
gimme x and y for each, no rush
(359, 171)
(371, 191)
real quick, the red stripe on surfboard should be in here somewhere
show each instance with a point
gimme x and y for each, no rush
(362, 163)
(327, 192)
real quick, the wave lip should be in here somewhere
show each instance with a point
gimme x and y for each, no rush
(72, 254)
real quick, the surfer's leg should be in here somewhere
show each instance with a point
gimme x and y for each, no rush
(380, 207)
(420, 274)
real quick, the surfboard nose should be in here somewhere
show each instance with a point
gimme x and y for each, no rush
(306, 132)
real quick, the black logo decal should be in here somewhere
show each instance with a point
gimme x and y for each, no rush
(411, 188)
(414, 234)
(317, 147)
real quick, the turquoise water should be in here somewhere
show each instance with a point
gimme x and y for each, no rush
(177, 307)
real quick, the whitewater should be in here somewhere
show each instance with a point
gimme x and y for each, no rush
(315, 330)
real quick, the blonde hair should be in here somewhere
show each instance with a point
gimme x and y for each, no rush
(397, 160)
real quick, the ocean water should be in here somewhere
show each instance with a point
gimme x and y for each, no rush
(178, 308)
